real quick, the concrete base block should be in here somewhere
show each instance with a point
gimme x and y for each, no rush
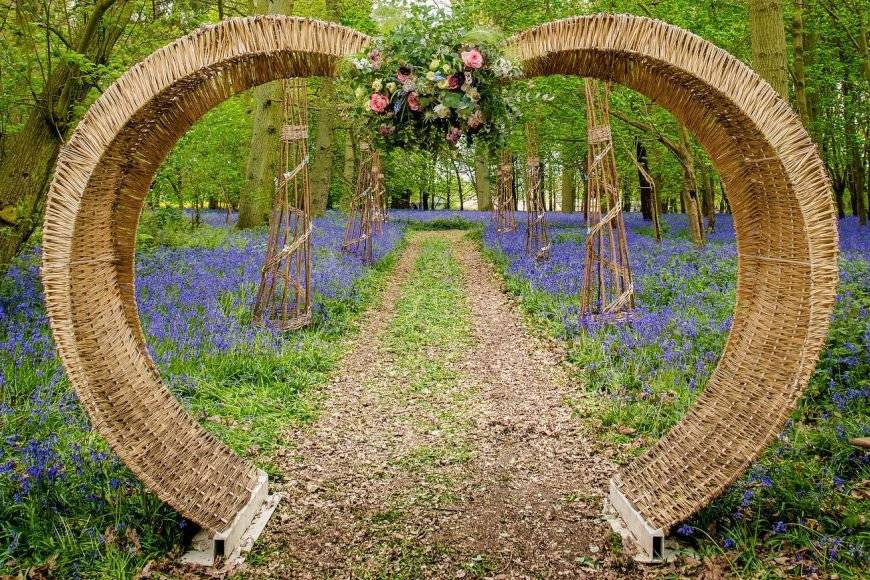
(238, 539)
(631, 525)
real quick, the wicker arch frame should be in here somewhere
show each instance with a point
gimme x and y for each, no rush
(776, 184)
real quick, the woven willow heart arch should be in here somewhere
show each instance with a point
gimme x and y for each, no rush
(776, 184)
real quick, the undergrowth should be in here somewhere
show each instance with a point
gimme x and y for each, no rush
(802, 507)
(68, 507)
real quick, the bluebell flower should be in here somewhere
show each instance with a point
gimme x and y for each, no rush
(779, 527)
(685, 530)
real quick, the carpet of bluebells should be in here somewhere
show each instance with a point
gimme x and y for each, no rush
(803, 506)
(67, 505)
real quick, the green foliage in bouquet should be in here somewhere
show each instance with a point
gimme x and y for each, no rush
(431, 81)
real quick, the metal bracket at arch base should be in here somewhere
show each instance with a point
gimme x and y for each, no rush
(627, 521)
(239, 537)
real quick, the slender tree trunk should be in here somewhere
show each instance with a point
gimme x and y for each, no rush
(514, 182)
(569, 179)
(447, 196)
(255, 197)
(709, 200)
(689, 197)
(800, 76)
(644, 186)
(482, 181)
(854, 158)
(767, 31)
(323, 154)
(349, 170)
(323, 149)
(458, 184)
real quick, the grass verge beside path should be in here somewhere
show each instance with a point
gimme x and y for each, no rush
(801, 509)
(425, 340)
(68, 507)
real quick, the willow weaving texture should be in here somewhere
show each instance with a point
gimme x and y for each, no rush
(775, 181)
(503, 205)
(102, 176)
(362, 221)
(283, 298)
(537, 237)
(786, 240)
(607, 287)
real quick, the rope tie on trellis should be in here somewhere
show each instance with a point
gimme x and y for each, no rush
(600, 134)
(294, 132)
(286, 177)
(288, 250)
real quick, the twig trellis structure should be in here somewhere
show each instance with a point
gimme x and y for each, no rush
(777, 186)
(537, 236)
(284, 296)
(607, 286)
(380, 203)
(503, 205)
(363, 217)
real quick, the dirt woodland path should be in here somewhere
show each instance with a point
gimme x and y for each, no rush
(446, 447)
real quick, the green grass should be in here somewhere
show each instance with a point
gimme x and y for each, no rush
(248, 399)
(432, 316)
(442, 224)
(800, 508)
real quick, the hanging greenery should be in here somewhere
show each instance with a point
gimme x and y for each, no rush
(430, 81)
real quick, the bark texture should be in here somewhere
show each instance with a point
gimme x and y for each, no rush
(482, 182)
(255, 197)
(767, 30)
(569, 179)
(28, 157)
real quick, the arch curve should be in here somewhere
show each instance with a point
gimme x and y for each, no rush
(786, 232)
(777, 186)
(102, 176)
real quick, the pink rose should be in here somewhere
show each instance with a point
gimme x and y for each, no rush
(475, 120)
(413, 102)
(453, 135)
(403, 74)
(378, 102)
(453, 81)
(472, 58)
(375, 57)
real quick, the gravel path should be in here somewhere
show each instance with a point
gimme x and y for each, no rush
(484, 474)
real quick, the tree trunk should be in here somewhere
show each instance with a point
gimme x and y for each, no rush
(255, 197)
(458, 184)
(800, 77)
(323, 150)
(24, 176)
(709, 200)
(644, 186)
(482, 179)
(349, 170)
(854, 160)
(767, 31)
(569, 179)
(689, 195)
(514, 182)
(30, 154)
(323, 154)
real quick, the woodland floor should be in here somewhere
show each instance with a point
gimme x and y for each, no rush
(446, 445)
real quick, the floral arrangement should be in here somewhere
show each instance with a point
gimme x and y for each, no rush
(429, 82)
